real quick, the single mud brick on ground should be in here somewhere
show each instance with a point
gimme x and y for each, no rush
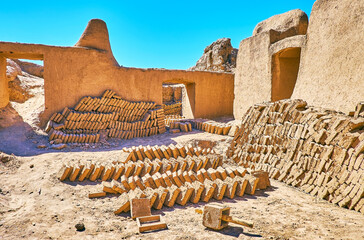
(140, 207)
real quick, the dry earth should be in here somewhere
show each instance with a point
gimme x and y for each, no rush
(34, 204)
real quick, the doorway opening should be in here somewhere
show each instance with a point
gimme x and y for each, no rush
(178, 100)
(285, 66)
(26, 89)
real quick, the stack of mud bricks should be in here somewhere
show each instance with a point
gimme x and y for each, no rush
(317, 150)
(172, 118)
(165, 152)
(173, 109)
(165, 183)
(180, 126)
(359, 110)
(110, 115)
(211, 126)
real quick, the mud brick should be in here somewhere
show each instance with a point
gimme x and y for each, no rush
(156, 153)
(220, 190)
(124, 203)
(107, 187)
(156, 166)
(172, 196)
(118, 171)
(86, 170)
(175, 151)
(209, 190)
(176, 166)
(138, 168)
(125, 183)
(109, 171)
(150, 181)
(146, 182)
(193, 176)
(161, 179)
(65, 172)
(139, 183)
(191, 165)
(173, 131)
(198, 165)
(77, 170)
(131, 183)
(156, 181)
(95, 173)
(180, 176)
(129, 169)
(205, 174)
(232, 185)
(184, 196)
(176, 180)
(158, 204)
(183, 166)
(197, 151)
(165, 152)
(212, 174)
(186, 177)
(251, 185)
(118, 187)
(206, 163)
(167, 180)
(197, 193)
(241, 171)
(242, 183)
(200, 176)
(181, 150)
(97, 195)
(222, 173)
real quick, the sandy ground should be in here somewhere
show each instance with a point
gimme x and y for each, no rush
(34, 204)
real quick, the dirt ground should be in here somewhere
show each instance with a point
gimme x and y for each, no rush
(34, 204)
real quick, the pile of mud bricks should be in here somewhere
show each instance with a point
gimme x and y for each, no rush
(168, 181)
(172, 109)
(317, 150)
(109, 115)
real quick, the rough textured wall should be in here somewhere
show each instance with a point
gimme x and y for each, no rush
(252, 75)
(332, 65)
(317, 150)
(4, 89)
(85, 70)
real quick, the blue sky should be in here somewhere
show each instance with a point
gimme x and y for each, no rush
(145, 34)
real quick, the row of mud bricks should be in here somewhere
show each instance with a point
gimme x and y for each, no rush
(211, 126)
(317, 150)
(172, 109)
(169, 152)
(108, 115)
(182, 180)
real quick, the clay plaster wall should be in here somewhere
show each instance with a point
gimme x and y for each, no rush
(73, 72)
(254, 74)
(332, 63)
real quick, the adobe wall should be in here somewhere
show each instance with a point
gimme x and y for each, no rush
(332, 63)
(254, 71)
(89, 68)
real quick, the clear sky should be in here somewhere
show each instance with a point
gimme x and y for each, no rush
(146, 34)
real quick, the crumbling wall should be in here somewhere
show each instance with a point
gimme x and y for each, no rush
(317, 150)
(89, 68)
(332, 65)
